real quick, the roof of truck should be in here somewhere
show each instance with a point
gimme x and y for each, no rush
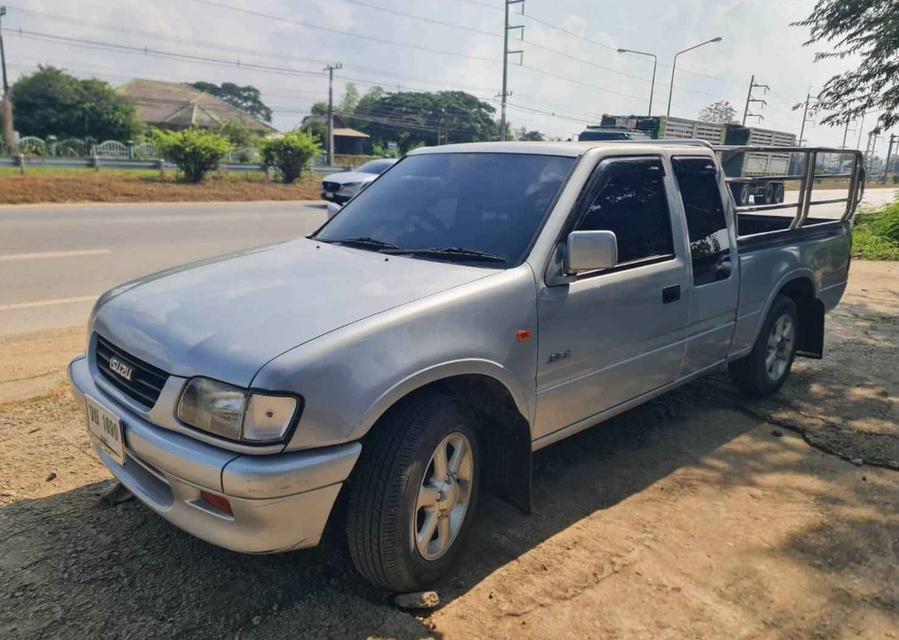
(560, 148)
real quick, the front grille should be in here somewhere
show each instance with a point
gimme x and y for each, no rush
(146, 380)
(331, 186)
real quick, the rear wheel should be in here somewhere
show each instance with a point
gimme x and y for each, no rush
(767, 366)
(740, 193)
(779, 192)
(414, 493)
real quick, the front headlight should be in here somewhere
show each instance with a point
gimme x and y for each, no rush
(235, 413)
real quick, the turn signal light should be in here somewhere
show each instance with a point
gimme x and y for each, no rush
(523, 335)
(216, 502)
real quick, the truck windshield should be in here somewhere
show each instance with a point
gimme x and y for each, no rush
(460, 207)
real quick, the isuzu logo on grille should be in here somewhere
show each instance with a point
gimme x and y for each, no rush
(120, 368)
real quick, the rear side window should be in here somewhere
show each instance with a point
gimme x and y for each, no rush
(706, 225)
(630, 201)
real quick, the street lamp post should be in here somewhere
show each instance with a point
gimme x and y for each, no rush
(655, 63)
(674, 66)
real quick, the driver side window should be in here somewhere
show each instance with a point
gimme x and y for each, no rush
(629, 199)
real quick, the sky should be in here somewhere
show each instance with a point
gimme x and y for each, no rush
(569, 74)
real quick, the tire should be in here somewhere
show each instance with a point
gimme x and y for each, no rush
(767, 366)
(741, 194)
(760, 198)
(396, 473)
(779, 193)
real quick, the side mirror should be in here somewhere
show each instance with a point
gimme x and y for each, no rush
(333, 208)
(590, 251)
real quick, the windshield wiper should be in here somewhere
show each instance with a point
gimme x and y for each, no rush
(364, 243)
(449, 252)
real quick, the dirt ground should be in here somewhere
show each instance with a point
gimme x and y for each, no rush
(700, 515)
(73, 185)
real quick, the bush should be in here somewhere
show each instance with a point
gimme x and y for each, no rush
(876, 235)
(195, 151)
(289, 154)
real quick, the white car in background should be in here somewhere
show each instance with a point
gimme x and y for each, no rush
(340, 187)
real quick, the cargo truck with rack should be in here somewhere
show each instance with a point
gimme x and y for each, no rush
(759, 175)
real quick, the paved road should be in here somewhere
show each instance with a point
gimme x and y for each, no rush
(874, 199)
(55, 260)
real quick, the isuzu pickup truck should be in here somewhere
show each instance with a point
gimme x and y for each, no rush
(474, 304)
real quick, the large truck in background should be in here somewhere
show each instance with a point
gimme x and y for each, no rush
(765, 172)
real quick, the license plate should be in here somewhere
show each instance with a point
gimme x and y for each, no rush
(106, 428)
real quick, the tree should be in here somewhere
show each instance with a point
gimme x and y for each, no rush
(195, 151)
(319, 108)
(317, 128)
(868, 29)
(721, 112)
(350, 100)
(52, 102)
(289, 154)
(524, 135)
(237, 133)
(247, 98)
(422, 118)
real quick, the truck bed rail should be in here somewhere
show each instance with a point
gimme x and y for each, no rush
(808, 178)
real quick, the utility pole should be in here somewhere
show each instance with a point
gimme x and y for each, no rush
(871, 147)
(808, 99)
(886, 166)
(8, 135)
(845, 133)
(330, 69)
(861, 125)
(750, 99)
(506, 53)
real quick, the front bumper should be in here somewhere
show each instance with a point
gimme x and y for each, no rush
(279, 502)
(337, 197)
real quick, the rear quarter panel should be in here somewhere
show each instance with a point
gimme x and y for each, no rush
(819, 253)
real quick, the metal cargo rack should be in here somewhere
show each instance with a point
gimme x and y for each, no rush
(807, 178)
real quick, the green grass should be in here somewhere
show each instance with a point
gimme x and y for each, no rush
(876, 234)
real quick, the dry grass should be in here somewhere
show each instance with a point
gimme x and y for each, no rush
(120, 186)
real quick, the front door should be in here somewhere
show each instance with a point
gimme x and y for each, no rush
(612, 335)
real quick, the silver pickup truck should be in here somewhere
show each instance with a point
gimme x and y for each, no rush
(474, 304)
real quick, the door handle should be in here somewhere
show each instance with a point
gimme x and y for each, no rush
(671, 293)
(722, 271)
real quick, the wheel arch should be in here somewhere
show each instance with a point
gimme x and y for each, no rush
(800, 287)
(500, 413)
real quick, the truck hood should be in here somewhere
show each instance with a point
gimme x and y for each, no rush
(226, 317)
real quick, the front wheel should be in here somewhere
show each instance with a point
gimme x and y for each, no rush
(413, 496)
(767, 366)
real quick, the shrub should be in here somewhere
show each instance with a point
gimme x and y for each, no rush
(289, 154)
(195, 151)
(876, 234)
(237, 132)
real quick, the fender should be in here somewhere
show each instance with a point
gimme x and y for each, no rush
(802, 273)
(434, 373)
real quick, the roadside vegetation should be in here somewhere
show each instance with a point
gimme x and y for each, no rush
(876, 235)
(87, 185)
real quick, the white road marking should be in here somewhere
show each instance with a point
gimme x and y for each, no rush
(45, 303)
(54, 254)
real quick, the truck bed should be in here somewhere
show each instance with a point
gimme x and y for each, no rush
(750, 224)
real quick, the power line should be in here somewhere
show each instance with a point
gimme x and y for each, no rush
(35, 35)
(308, 25)
(405, 14)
